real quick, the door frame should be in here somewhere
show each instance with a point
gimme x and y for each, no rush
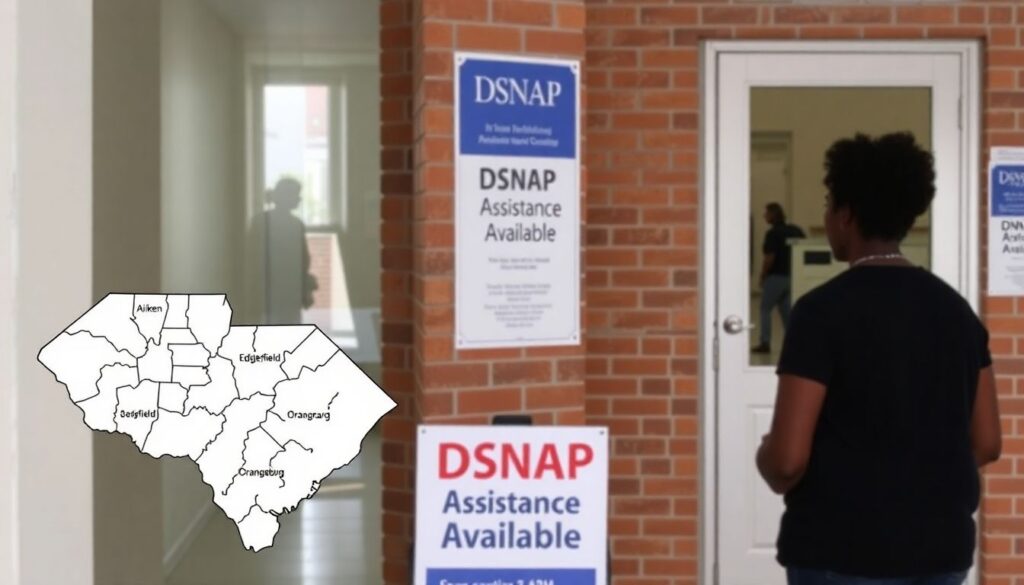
(969, 52)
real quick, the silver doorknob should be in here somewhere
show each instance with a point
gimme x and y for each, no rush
(734, 324)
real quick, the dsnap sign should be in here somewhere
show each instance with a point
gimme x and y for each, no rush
(506, 505)
(1006, 222)
(517, 194)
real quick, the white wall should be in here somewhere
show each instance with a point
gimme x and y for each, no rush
(203, 205)
(126, 138)
(187, 505)
(128, 538)
(49, 225)
(363, 175)
(8, 502)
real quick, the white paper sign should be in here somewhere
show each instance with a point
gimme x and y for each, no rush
(511, 505)
(1006, 222)
(517, 194)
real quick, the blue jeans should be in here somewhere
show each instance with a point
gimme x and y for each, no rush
(800, 576)
(775, 291)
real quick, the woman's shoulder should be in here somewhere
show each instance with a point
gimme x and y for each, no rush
(829, 291)
(818, 299)
(942, 290)
(914, 284)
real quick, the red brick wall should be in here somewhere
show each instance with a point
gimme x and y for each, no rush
(642, 278)
(438, 383)
(470, 385)
(321, 246)
(642, 245)
(398, 428)
(637, 372)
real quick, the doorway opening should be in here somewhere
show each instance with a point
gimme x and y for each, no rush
(770, 110)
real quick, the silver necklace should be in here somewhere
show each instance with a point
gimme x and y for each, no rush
(876, 257)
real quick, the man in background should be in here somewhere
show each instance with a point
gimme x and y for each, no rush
(775, 272)
(288, 284)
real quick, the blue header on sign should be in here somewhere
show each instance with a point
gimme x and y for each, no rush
(510, 576)
(512, 108)
(1007, 190)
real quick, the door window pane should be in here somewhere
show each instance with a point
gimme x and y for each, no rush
(791, 129)
(295, 146)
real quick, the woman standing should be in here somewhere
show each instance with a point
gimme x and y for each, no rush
(886, 404)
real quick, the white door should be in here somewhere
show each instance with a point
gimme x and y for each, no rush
(816, 95)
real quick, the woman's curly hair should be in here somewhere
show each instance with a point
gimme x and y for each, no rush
(886, 182)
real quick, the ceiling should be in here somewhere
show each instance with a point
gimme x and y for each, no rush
(303, 23)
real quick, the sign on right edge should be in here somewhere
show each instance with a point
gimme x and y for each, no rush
(511, 505)
(1006, 222)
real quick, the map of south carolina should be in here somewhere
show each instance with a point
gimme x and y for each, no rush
(266, 412)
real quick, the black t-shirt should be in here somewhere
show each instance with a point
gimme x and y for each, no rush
(775, 243)
(892, 482)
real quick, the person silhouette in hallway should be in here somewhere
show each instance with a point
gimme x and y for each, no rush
(775, 272)
(289, 285)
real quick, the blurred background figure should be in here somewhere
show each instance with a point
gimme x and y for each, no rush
(775, 272)
(289, 283)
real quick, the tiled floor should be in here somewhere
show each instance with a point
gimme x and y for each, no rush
(332, 539)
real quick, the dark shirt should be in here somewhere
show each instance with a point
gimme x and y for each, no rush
(775, 243)
(891, 482)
